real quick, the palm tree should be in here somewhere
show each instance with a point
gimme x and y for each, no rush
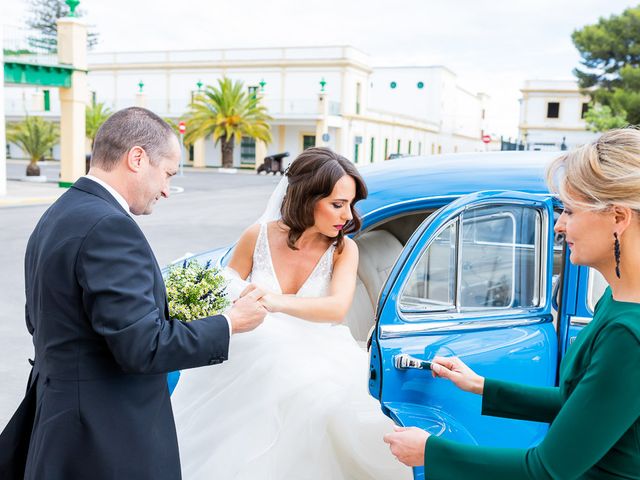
(36, 137)
(228, 112)
(96, 114)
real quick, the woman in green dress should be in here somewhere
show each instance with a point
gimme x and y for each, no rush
(594, 413)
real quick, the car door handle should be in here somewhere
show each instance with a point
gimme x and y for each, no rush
(404, 361)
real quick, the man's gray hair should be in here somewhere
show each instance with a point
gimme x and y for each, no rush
(128, 128)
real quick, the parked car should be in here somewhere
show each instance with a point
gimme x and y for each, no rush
(458, 257)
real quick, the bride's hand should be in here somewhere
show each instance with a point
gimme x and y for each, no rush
(272, 302)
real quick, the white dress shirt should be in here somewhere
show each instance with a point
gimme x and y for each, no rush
(123, 203)
(114, 193)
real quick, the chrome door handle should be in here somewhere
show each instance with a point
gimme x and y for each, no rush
(404, 361)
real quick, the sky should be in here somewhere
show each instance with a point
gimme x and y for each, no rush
(493, 47)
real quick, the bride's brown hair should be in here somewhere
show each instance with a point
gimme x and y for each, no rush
(312, 176)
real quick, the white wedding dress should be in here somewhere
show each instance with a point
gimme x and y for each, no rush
(291, 403)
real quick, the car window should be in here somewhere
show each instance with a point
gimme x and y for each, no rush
(432, 283)
(488, 258)
(597, 286)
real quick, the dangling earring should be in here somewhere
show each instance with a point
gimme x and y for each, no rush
(616, 253)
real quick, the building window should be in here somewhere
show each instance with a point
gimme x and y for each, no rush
(191, 153)
(553, 110)
(355, 153)
(585, 109)
(358, 94)
(433, 148)
(308, 141)
(371, 149)
(253, 91)
(409, 152)
(439, 148)
(398, 146)
(248, 151)
(483, 114)
(386, 148)
(419, 148)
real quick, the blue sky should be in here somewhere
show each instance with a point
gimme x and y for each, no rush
(492, 46)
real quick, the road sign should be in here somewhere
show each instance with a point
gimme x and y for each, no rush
(486, 138)
(182, 128)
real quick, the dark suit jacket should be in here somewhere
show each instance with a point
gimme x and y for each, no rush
(96, 307)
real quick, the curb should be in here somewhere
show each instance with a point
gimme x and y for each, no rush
(18, 202)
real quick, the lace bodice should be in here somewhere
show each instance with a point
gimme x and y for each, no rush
(263, 273)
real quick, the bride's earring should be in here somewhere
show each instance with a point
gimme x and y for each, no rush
(616, 253)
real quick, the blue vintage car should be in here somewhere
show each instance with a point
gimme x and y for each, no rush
(458, 257)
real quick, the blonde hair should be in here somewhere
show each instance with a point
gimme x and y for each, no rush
(600, 174)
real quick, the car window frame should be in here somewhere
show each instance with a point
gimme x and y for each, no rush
(541, 269)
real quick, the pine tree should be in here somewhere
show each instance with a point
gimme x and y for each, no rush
(44, 14)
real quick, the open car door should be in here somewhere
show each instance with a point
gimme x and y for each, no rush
(474, 281)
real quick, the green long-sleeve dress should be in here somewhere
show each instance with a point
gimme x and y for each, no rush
(594, 413)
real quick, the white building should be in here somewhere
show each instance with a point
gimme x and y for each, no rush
(552, 114)
(317, 96)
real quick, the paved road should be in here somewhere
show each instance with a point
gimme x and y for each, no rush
(212, 211)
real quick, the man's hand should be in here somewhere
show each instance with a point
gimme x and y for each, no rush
(247, 312)
(408, 445)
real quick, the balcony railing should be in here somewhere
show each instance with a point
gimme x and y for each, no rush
(230, 55)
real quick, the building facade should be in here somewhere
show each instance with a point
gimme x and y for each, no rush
(329, 96)
(552, 115)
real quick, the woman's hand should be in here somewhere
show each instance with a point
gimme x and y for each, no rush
(273, 302)
(457, 371)
(408, 444)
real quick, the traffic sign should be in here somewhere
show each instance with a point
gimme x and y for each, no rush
(182, 128)
(486, 138)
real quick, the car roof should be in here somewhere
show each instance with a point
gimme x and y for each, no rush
(453, 175)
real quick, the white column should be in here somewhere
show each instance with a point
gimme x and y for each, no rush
(261, 152)
(3, 147)
(199, 152)
(72, 50)
(322, 123)
(141, 100)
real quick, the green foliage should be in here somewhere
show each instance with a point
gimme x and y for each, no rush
(227, 112)
(44, 14)
(21, 51)
(95, 115)
(195, 291)
(35, 136)
(601, 118)
(176, 129)
(610, 52)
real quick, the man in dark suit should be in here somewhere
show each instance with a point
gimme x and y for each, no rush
(96, 307)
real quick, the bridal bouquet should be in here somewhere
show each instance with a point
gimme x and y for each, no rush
(195, 291)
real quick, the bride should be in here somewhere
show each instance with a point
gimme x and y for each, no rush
(291, 403)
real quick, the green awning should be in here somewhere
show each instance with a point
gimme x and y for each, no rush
(33, 74)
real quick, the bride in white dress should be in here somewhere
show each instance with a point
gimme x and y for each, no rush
(291, 403)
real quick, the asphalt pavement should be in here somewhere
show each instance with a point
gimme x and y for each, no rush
(206, 209)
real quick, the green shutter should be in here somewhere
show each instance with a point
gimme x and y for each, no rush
(371, 149)
(47, 100)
